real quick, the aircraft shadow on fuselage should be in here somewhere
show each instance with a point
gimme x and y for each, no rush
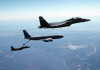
(17, 49)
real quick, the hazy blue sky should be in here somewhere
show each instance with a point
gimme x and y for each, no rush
(28, 9)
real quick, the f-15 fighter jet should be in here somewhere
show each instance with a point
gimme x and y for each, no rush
(45, 24)
(17, 49)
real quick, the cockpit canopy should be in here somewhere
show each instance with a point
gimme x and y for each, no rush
(76, 18)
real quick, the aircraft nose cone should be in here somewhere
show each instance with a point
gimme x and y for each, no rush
(62, 36)
(87, 19)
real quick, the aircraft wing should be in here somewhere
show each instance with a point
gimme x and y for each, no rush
(57, 23)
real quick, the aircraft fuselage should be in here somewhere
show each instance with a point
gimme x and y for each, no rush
(45, 37)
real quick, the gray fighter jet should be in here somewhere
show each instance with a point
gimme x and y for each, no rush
(45, 24)
(43, 38)
(17, 49)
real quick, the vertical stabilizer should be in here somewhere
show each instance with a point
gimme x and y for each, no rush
(43, 22)
(12, 48)
(26, 35)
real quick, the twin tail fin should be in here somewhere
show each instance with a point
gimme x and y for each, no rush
(43, 22)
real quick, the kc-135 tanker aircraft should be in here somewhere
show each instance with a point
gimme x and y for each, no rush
(45, 24)
(47, 38)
